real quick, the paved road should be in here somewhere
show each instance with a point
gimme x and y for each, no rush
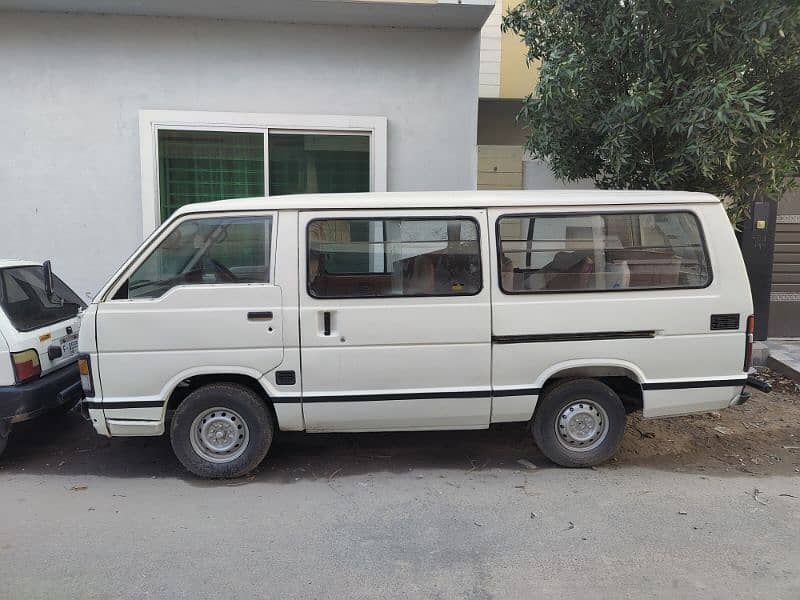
(417, 515)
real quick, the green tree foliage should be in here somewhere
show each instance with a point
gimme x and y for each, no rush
(653, 94)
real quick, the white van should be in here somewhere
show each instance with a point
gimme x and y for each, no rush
(412, 311)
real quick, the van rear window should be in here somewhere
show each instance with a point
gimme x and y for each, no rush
(25, 302)
(601, 252)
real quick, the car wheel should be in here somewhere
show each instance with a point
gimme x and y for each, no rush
(222, 430)
(579, 423)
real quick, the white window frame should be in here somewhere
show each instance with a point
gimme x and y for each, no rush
(151, 121)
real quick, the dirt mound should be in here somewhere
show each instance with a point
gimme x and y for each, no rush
(760, 437)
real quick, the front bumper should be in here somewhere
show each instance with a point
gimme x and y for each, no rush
(28, 400)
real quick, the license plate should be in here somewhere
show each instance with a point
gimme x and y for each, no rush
(69, 345)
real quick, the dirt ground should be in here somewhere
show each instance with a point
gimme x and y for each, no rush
(761, 437)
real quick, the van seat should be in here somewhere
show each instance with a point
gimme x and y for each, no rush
(352, 284)
(437, 273)
(570, 271)
(649, 268)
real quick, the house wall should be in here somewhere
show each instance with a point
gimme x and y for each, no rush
(504, 69)
(70, 187)
(502, 162)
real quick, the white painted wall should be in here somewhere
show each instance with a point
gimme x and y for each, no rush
(536, 175)
(73, 86)
(491, 37)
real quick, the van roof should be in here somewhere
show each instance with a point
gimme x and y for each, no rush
(471, 199)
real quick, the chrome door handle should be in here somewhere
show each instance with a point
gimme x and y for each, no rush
(259, 316)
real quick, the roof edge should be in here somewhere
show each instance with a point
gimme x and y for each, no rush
(422, 14)
(444, 200)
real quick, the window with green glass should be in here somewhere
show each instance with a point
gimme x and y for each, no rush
(200, 166)
(305, 163)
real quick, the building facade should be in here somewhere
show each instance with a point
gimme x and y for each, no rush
(505, 79)
(111, 121)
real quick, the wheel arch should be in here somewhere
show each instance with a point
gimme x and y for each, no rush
(184, 384)
(624, 377)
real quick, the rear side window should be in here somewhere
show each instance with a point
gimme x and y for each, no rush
(601, 252)
(362, 258)
(221, 250)
(24, 300)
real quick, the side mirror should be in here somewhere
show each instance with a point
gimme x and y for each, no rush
(47, 273)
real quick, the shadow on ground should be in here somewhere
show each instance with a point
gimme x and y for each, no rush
(66, 444)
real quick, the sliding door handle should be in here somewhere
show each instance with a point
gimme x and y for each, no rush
(265, 315)
(326, 323)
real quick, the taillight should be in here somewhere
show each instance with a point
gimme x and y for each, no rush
(748, 344)
(26, 365)
(85, 369)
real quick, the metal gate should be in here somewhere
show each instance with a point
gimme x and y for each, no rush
(784, 312)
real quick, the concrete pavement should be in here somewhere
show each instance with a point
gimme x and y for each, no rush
(413, 515)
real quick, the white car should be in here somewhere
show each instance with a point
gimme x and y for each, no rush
(39, 325)
(435, 310)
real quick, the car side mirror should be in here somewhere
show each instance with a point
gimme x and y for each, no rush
(47, 275)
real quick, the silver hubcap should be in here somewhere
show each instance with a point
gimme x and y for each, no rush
(219, 435)
(582, 425)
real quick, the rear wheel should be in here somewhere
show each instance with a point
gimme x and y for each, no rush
(221, 430)
(579, 423)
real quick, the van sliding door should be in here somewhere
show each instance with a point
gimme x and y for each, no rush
(395, 319)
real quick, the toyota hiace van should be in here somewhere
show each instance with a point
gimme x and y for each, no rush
(416, 311)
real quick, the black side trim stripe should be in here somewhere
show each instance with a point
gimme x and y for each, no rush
(121, 405)
(685, 385)
(667, 385)
(517, 392)
(286, 399)
(398, 396)
(572, 337)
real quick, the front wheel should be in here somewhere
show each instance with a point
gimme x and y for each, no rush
(221, 430)
(579, 423)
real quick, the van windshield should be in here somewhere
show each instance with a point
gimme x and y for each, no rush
(24, 300)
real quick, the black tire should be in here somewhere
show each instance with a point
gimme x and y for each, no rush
(601, 409)
(252, 416)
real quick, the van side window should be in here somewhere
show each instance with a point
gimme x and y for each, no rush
(601, 252)
(205, 251)
(362, 258)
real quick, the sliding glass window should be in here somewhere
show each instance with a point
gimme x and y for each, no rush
(202, 166)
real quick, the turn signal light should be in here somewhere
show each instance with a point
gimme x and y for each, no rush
(85, 369)
(26, 365)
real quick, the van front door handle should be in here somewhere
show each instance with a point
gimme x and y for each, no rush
(265, 315)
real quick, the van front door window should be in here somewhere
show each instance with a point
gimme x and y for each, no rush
(206, 251)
